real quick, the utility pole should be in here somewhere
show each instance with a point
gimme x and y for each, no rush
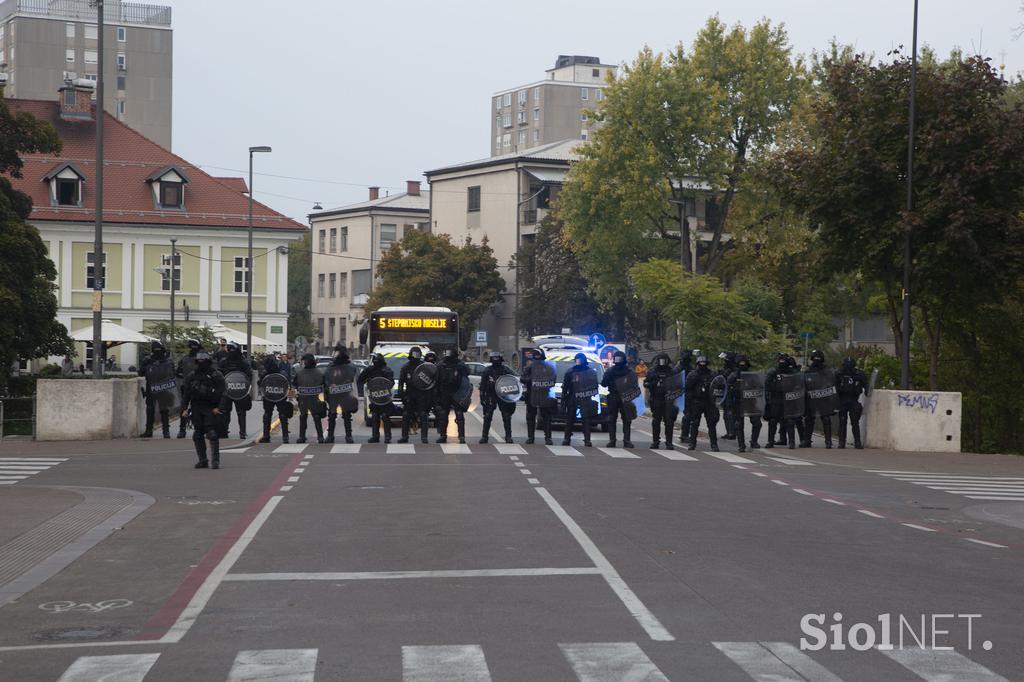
(99, 265)
(174, 260)
(905, 360)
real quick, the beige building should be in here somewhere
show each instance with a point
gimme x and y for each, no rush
(348, 243)
(44, 43)
(551, 110)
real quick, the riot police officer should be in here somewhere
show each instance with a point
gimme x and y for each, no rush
(204, 398)
(570, 402)
(850, 383)
(663, 407)
(450, 374)
(309, 382)
(774, 388)
(416, 403)
(685, 364)
(617, 371)
(728, 359)
(157, 364)
(817, 365)
(187, 365)
(533, 358)
(489, 397)
(234, 361)
(735, 382)
(341, 359)
(378, 413)
(699, 403)
(272, 365)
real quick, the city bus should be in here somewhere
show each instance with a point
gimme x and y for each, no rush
(434, 327)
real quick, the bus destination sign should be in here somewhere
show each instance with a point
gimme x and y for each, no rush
(430, 323)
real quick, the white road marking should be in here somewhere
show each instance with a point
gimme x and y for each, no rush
(611, 662)
(12, 477)
(619, 453)
(942, 666)
(729, 457)
(455, 449)
(509, 449)
(926, 474)
(803, 492)
(309, 456)
(564, 451)
(285, 488)
(760, 473)
(6, 482)
(124, 668)
(514, 458)
(778, 482)
(831, 501)
(518, 464)
(868, 512)
(55, 460)
(202, 596)
(276, 665)
(346, 449)
(414, 575)
(989, 497)
(526, 472)
(648, 621)
(465, 663)
(293, 479)
(791, 462)
(534, 481)
(985, 542)
(675, 455)
(24, 467)
(770, 662)
(917, 527)
(401, 449)
(290, 448)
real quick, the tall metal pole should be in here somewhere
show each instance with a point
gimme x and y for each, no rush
(174, 258)
(249, 282)
(905, 360)
(98, 263)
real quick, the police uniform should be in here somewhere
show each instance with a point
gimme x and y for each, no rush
(379, 414)
(532, 409)
(204, 397)
(489, 398)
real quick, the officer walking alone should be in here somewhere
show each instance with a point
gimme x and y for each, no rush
(850, 383)
(205, 396)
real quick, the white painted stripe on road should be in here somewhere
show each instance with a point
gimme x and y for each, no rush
(202, 596)
(619, 453)
(49, 461)
(290, 448)
(518, 464)
(564, 451)
(3, 482)
(729, 457)
(414, 575)
(514, 458)
(24, 467)
(293, 479)
(309, 456)
(986, 543)
(526, 472)
(978, 490)
(611, 662)
(942, 666)
(803, 492)
(346, 449)
(274, 665)
(792, 462)
(465, 663)
(757, 661)
(124, 668)
(509, 449)
(760, 473)
(648, 621)
(800, 662)
(992, 497)
(868, 512)
(927, 474)
(455, 449)
(534, 481)
(917, 527)
(401, 449)
(831, 501)
(675, 455)
(778, 482)
(8, 477)
(285, 488)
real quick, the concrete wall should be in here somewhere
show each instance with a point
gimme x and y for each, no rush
(81, 409)
(914, 421)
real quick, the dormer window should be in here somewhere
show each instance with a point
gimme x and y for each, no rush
(168, 187)
(65, 185)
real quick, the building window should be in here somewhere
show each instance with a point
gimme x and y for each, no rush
(536, 94)
(320, 285)
(122, 61)
(68, 192)
(332, 289)
(90, 56)
(583, 116)
(344, 239)
(497, 143)
(69, 30)
(90, 260)
(342, 329)
(360, 284)
(522, 137)
(242, 279)
(598, 94)
(506, 140)
(172, 194)
(473, 199)
(507, 120)
(536, 135)
(584, 135)
(90, 31)
(388, 235)
(69, 97)
(497, 103)
(521, 96)
(521, 117)
(122, 34)
(507, 99)
(323, 241)
(120, 82)
(69, 55)
(584, 93)
(330, 336)
(320, 327)
(120, 112)
(334, 240)
(596, 73)
(342, 285)
(497, 121)
(536, 114)
(171, 271)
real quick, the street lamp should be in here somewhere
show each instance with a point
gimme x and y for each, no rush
(174, 258)
(249, 282)
(905, 360)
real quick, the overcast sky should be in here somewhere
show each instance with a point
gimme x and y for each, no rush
(351, 94)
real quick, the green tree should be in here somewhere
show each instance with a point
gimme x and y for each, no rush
(177, 343)
(28, 328)
(427, 269)
(300, 322)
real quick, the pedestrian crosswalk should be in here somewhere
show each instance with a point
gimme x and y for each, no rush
(16, 469)
(989, 488)
(586, 661)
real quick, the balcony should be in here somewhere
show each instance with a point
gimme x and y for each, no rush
(115, 12)
(534, 216)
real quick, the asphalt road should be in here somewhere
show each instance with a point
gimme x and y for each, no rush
(506, 562)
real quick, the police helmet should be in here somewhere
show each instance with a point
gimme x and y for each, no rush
(618, 357)
(203, 358)
(232, 347)
(849, 363)
(496, 356)
(415, 352)
(817, 356)
(157, 347)
(742, 361)
(194, 344)
(538, 354)
(702, 360)
(430, 357)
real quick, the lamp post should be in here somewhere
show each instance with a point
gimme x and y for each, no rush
(174, 258)
(98, 262)
(249, 277)
(905, 360)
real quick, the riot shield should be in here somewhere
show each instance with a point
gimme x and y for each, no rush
(309, 396)
(752, 384)
(821, 391)
(341, 387)
(163, 386)
(542, 381)
(674, 385)
(424, 376)
(463, 396)
(238, 385)
(632, 397)
(507, 388)
(719, 390)
(378, 391)
(793, 394)
(585, 392)
(274, 387)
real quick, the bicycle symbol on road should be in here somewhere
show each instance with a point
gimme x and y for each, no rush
(98, 607)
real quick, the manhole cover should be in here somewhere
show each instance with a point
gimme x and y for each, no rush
(80, 633)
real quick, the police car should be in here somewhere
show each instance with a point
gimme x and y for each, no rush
(395, 355)
(561, 352)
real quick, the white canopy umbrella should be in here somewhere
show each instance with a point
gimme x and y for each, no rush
(112, 334)
(220, 331)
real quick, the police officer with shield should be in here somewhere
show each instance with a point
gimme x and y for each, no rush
(742, 386)
(187, 365)
(274, 387)
(538, 379)
(490, 399)
(699, 403)
(613, 381)
(233, 361)
(728, 359)
(821, 399)
(664, 385)
(416, 395)
(579, 387)
(850, 383)
(376, 382)
(309, 384)
(161, 387)
(204, 397)
(453, 392)
(340, 379)
(685, 364)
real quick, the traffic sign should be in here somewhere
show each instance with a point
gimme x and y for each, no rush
(481, 339)
(597, 340)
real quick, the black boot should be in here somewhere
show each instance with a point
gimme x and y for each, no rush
(626, 443)
(215, 453)
(348, 427)
(425, 429)
(855, 427)
(200, 444)
(386, 423)
(405, 429)
(265, 438)
(531, 427)
(241, 424)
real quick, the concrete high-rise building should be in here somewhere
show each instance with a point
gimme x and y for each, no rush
(549, 110)
(44, 44)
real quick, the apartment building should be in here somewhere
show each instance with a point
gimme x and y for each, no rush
(44, 43)
(348, 243)
(549, 110)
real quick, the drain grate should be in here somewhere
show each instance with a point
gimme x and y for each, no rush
(80, 633)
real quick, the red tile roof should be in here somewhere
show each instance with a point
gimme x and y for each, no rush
(127, 198)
